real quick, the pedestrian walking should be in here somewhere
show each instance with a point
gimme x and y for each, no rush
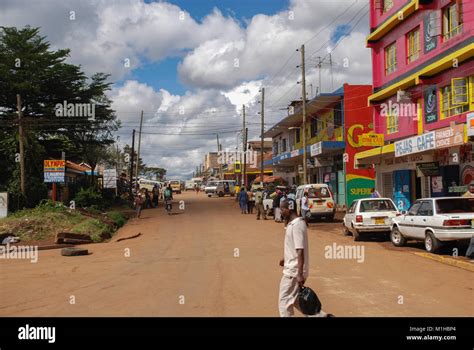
(156, 194)
(276, 206)
(251, 202)
(259, 204)
(168, 198)
(138, 202)
(243, 200)
(295, 260)
(147, 199)
(305, 206)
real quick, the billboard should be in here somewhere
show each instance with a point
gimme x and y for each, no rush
(54, 170)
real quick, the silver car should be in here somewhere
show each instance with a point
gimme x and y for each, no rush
(369, 215)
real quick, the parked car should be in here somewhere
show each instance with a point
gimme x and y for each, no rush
(369, 215)
(320, 200)
(435, 221)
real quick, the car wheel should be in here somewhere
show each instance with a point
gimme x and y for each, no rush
(397, 238)
(356, 235)
(209, 195)
(221, 194)
(432, 244)
(346, 231)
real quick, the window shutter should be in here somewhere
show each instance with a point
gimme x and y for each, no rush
(435, 23)
(387, 183)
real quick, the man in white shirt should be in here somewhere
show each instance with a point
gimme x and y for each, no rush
(295, 263)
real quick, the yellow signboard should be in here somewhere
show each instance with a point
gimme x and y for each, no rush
(371, 139)
(237, 167)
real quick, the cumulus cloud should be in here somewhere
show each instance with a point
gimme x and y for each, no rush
(224, 63)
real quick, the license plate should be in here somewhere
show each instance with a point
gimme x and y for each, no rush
(379, 221)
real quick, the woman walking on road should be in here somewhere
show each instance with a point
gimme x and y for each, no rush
(243, 200)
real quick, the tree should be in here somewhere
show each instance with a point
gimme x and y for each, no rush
(44, 81)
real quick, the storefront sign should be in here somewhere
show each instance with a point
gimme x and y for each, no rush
(431, 104)
(316, 148)
(415, 144)
(429, 169)
(372, 140)
(470, 124)
(457, 189)
(450, 136)
(110, 178)
(294, 153)
(429, 39)
(54, 170)
(3, 204)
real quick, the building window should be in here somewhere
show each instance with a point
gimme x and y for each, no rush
(455, 98)
(452, 20)
(413, 45)
(314, 127)
(275, 148)
(390, 59)
(392, 121)
(283, 145)
(298, 135)
(387, 5)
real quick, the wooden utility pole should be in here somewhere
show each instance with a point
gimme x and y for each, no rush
(261, 136)
(320, 89)
(22, 147)
(139, 144)
(244, 147)
(219, 159)
(303, 129)
(131, 164)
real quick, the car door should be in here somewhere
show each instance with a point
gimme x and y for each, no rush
(423, 218)
(350, 215)
(407, 224)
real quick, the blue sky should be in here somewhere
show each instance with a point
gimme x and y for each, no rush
(163, 74)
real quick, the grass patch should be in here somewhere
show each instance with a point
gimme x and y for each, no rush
(47, 219)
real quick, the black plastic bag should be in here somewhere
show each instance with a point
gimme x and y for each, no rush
(308, 301)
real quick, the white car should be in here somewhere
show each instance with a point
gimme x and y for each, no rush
(320, 201)
(369, 215)
(434, 221)
(210, 188)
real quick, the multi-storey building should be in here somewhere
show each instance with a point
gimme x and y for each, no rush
(423, 91)
(334, 125)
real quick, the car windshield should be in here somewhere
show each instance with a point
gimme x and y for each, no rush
(455, 205)
(376, 205)
(211, 184)
(318, 192)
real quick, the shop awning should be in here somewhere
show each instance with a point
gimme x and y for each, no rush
(326, 148)
(373, 156)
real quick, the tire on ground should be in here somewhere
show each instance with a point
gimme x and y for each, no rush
(435, 243)
(396, 232)
(74, 251)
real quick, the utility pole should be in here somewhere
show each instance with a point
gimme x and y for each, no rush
(219, 148)
(330, 67)
(139, 144)
(261, 136)
(303, 87)
(319, 73)
(244, 146)
(22, 147)
(131, 164)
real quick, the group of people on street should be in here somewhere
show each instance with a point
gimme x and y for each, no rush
(246, 201)
(145, 199)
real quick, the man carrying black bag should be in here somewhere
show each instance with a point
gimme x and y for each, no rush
(295, 263)
(296, 267)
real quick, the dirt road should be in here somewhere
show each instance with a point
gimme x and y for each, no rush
(210, 260)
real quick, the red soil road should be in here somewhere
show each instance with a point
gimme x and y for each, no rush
(190, 257)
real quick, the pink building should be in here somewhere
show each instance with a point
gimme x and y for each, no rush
(423, 78)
